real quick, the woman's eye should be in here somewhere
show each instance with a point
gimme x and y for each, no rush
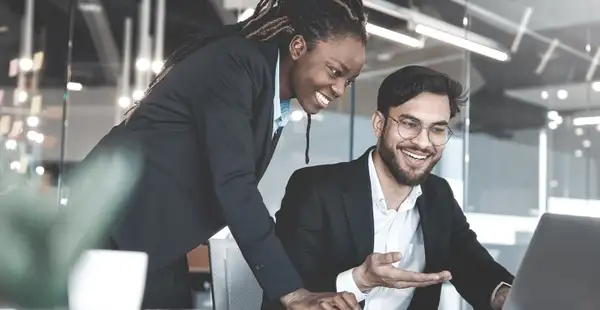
(334, 72)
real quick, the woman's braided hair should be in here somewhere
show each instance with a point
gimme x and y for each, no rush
(279, 21)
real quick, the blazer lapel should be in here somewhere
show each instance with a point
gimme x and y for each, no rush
(423, 298)
(359, 206)
(429, 229)
(269, 143)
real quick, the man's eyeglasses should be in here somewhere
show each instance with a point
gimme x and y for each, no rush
(409, 128)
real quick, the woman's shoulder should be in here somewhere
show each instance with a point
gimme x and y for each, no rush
(235, 48)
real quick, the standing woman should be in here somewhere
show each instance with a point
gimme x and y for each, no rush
(207, 129)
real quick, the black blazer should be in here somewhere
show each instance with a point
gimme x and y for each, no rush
(206, 137)
(326, 225)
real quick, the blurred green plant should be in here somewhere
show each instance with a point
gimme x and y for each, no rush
(40, 240)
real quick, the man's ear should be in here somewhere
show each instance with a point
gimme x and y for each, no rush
(378, 122)
(298, 47)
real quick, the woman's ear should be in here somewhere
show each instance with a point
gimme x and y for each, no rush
(298, 47)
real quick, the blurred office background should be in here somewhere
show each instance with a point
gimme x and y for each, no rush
(527, 143)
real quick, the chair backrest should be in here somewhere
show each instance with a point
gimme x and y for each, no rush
(234, 286)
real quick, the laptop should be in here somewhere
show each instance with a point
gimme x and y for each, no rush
(561, 267)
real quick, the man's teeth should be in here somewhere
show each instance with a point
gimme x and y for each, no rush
(415, 156)
(322, 99)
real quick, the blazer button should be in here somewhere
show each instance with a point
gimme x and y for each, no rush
(259, 267)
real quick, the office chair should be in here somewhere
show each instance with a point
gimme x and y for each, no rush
(233, 284)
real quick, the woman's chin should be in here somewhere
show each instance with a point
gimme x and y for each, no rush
(310, 107)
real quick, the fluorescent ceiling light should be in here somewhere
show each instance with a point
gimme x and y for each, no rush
(588, 120)
(441, 30)
(393, 36)
(371, 28)
(73, 86)
(596, 86)
(462, 42)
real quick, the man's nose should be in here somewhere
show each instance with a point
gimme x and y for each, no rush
(422, 139)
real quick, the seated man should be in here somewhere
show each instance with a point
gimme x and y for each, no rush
(383, 227)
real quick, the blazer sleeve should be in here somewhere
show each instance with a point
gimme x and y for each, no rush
(232, 78)
(300, 226)
(475, 273)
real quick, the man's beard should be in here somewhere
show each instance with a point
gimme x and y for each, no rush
(402, 176)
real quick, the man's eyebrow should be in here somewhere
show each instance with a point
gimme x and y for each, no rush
(442, 122)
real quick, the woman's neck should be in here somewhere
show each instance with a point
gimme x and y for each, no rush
(285, 81)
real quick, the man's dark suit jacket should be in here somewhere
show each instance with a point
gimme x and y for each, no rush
(326, 225)
(206, 136)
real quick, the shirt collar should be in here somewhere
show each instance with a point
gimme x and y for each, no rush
(377, 191)
(281, 107)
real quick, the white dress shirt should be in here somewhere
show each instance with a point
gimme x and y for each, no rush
(281, 108)
(395, 231)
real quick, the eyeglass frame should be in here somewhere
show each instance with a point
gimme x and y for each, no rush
(449, 133)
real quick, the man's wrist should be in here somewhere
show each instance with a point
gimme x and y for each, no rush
(295, 295)
(501, 288)
(358, 275)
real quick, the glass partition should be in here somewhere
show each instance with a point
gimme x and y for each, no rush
(525, 144)
(33, 64)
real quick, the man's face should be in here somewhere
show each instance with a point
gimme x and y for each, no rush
(322, 74)
(410, 160)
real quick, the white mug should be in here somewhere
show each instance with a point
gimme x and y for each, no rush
(105, 279)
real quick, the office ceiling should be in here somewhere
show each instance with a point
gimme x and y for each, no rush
(505, 95)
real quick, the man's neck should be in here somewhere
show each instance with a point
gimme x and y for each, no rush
(393, 192)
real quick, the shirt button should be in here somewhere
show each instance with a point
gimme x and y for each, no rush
(259, 267)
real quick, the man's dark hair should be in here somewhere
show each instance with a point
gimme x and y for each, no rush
(279, 21)
(409, 82)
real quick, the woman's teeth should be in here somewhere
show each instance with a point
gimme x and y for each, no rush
(322, 100)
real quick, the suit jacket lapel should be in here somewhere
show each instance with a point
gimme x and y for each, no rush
(422, 298)
(428, 230)
(359, 206)
(269, 144)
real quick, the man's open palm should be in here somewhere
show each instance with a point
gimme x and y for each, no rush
(378, 271)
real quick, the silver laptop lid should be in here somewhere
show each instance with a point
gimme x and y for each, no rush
(560, 269)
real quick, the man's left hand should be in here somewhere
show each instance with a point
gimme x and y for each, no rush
(500, 298)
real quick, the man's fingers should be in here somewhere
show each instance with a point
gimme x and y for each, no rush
(403, 284)
(445, 274)
(339, 301)
(387, 258)
(350, 300)
(411, 276)
(325, 305)
(341, 304)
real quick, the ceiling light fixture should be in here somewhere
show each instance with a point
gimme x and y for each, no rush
(562, 94)
(74, 86)
(440, 30)
(587, 120)
(461, 42)
(394, 36)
